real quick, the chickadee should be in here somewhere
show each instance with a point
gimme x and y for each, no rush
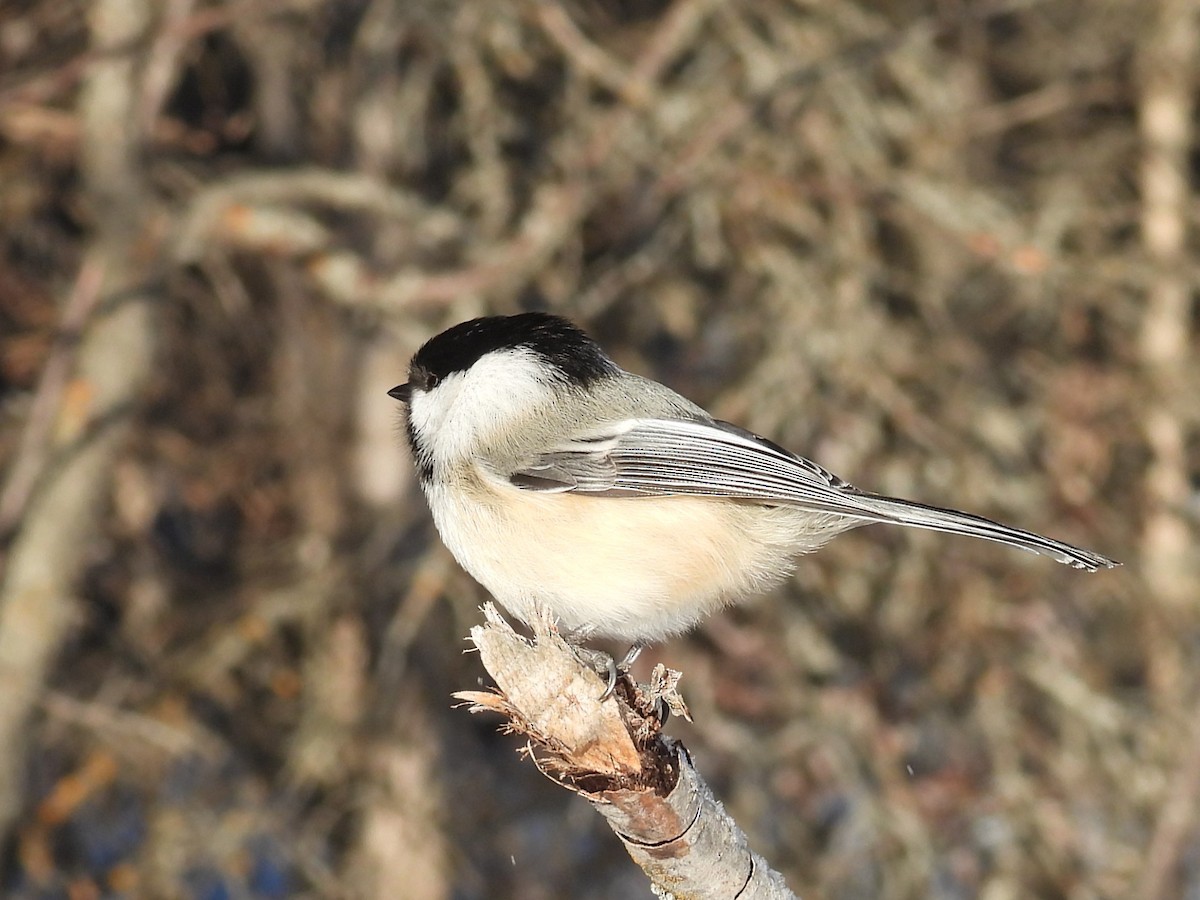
(556, 477)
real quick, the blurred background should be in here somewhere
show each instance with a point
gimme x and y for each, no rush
(946, 248)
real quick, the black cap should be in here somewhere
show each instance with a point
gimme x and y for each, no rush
(566, 348)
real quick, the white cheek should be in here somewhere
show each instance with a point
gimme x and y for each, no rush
(469, 409)
(429, 411)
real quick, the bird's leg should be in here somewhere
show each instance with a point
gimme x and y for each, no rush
(604, 665)
(599, 662)
(630, 657)
(621, 668)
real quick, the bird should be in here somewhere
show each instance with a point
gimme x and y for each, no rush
(558, 479)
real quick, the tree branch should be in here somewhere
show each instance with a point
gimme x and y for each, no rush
(613, 753)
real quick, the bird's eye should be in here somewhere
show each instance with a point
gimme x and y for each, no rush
(431, 381)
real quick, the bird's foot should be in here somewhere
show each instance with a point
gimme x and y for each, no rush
(605, 666)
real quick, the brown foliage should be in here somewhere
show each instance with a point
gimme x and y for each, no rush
(948, 250)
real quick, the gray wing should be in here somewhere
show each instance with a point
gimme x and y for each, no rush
(657, 457)
(663, 457)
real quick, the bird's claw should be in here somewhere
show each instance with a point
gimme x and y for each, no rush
(605, 666)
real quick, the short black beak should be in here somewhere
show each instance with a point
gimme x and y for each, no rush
(402, 392)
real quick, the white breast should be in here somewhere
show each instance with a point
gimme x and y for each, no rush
(635, 569)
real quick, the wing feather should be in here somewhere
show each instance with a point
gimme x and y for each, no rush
(657, 457)
(708, 458)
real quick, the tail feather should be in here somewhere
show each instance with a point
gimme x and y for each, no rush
(933, 518)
